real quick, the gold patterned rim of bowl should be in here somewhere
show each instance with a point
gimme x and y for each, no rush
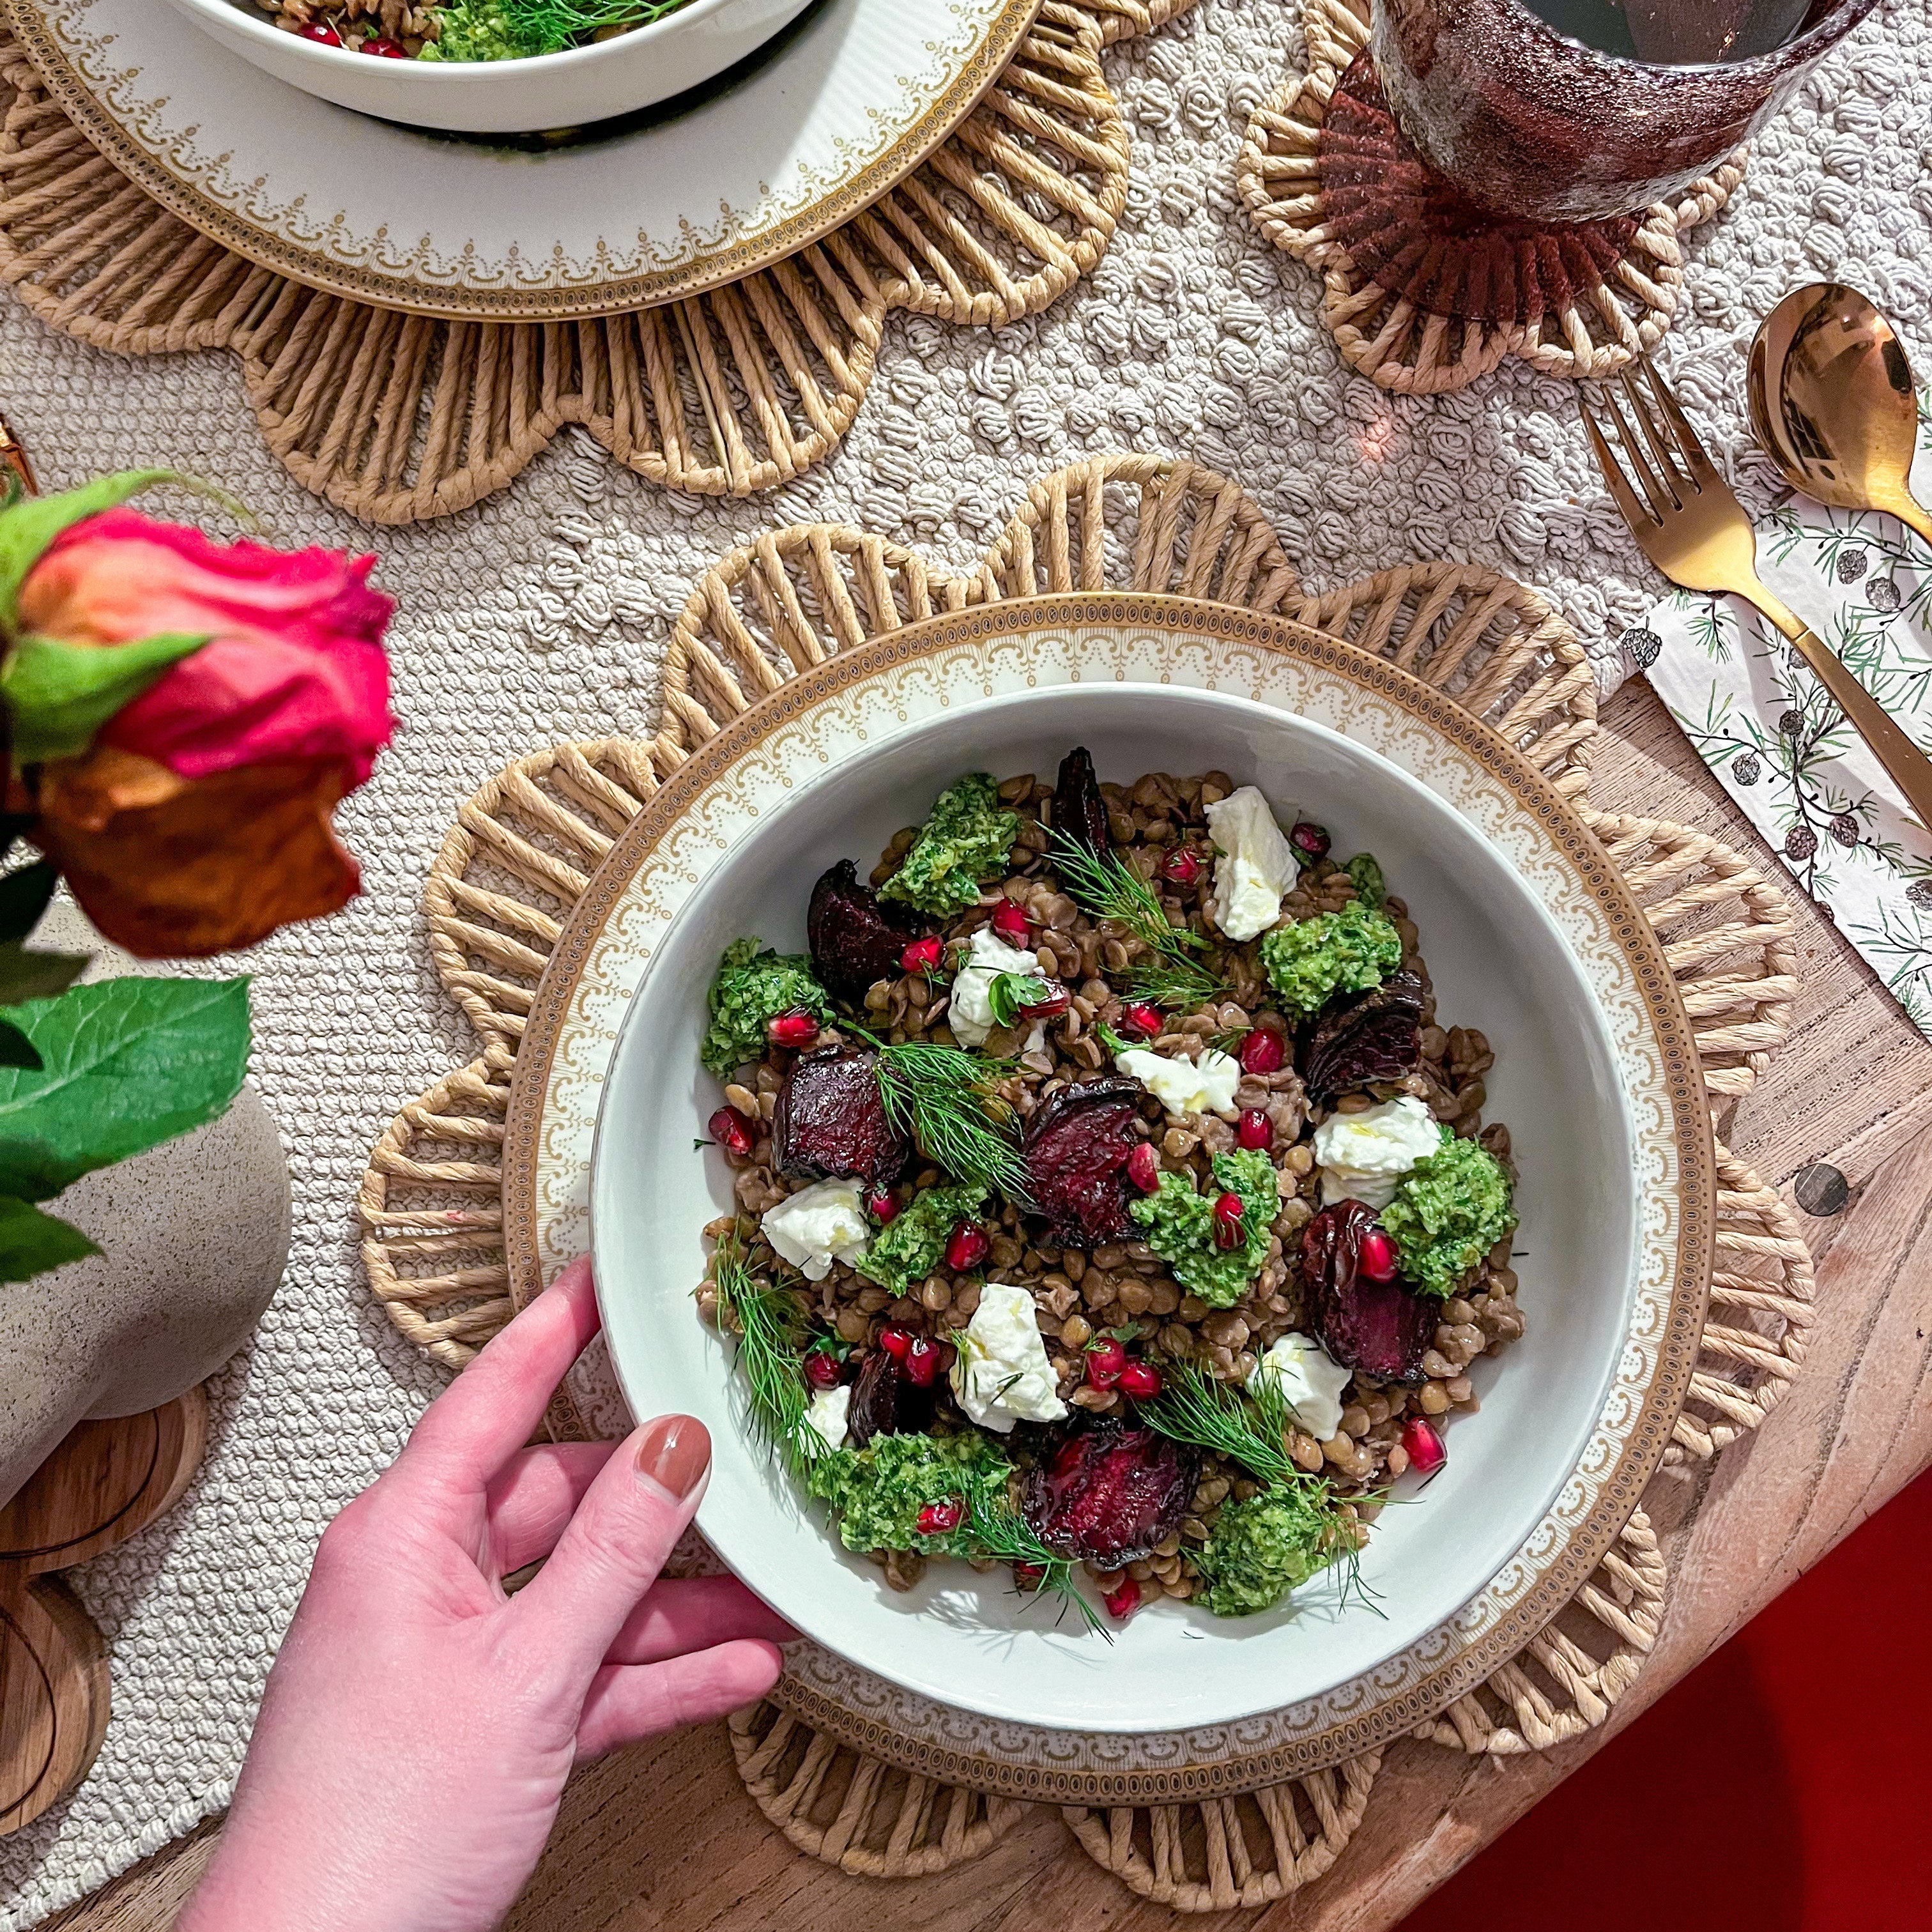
(728, 262)
(1559, 1571)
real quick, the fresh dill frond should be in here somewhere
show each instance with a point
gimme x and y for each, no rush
(770, 1335)
(1109, 888)
(1003, 1533)
(943, 1097)
(1251, 1429)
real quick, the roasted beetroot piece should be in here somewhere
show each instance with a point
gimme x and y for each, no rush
(1378, 1326)
(1075, 1149)
(1376, 1037)
(1108, 1493)
(1078, 809)
(885, 1401)
(853, 940)
(830, 1119)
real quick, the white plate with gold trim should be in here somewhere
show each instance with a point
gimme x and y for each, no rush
(1531, 934)
(813, 128)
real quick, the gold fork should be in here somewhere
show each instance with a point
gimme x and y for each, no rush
(1689, 522)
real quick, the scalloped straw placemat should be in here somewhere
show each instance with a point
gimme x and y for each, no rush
(523, 851)
(397, 418)
(1325, 166)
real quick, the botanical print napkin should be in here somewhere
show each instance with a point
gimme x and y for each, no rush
(1780, 746)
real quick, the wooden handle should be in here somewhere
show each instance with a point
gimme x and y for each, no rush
(1908, 767)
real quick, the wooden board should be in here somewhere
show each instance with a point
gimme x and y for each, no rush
(1854, 1087)
(105, 1482)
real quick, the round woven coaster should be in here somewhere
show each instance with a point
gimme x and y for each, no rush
(397, 418)
(524, 847)
(1423, 291)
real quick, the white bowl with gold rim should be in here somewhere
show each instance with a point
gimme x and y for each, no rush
(1530, 935)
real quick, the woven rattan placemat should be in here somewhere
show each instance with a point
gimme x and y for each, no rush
(397, 418)
(523, 851)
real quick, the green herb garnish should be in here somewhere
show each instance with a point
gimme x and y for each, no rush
(1309, 961)
(1008, 994)
(912, 1243)
(1179, 1225)
(1448, 1212)
(491, 30)
(751, 990)
(1109, 888)
(770, 1329)
(968, 836)
(943, 1098)
(1371, 888)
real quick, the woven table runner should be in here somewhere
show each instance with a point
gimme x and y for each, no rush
(522, 850)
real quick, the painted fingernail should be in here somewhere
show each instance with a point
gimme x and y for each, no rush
(674, 1452)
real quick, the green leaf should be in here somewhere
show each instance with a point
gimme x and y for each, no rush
(128, 1063)
(37, 975)
(30, 1242)
(17, 1049)
(58, 694)
(24, 896)
(1008, 993)
(27, 527)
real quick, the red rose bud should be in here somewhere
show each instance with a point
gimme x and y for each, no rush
(1262, 1051)
(1376, 1257)
(1144, 1167)
(1310, 840)
(1124, 1599)
(882, 1206)
(1427, 1452)
(1011, 923)
(1141, 1380)
(1057, 1000)
(199, 817)
(896, 1342)
(923, 1361)
(1143, 1018)
(1228, 1213)
(799, 1029)
(1106, 1360)
(938, 1519)
(732, 1130)
(922, 955)
(823, 1370)
(321, 32)
(1029, 1576)
(966, 1247)
(385, 49)
(1255, 1130)
(1181, 867)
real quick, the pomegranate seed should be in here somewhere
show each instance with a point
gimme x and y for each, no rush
(1011, 923)
(1309, 840)
(1124, 1599)
(882, 1206)
(1227, 1229)
(936, 1518)
(922, 1360)
(1106, 1361)
(1144, 1017)
(1255, 1129)
(1376, 1258)
(1029, 1576)
(797, 1029)
(822, 1370)
(1144, 1168)
(1262, 1051)
(1057, 1000)
(385, 49)
(1181, 867)
(1427, 1452)
(1141, 1380)
(321, 32)
(896, 1342)
(966, 1247)
(922, 955)
(731, 1130)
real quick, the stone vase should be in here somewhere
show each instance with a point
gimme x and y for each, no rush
(194, 1236)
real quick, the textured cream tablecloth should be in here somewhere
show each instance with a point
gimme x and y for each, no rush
(542, 615)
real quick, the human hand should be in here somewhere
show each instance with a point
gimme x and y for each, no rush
(419, 1723)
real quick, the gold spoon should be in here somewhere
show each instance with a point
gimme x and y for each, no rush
(1832, 403)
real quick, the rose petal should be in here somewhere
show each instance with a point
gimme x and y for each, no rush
(210, 865)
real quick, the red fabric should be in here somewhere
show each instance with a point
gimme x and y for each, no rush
(1781, 1787)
